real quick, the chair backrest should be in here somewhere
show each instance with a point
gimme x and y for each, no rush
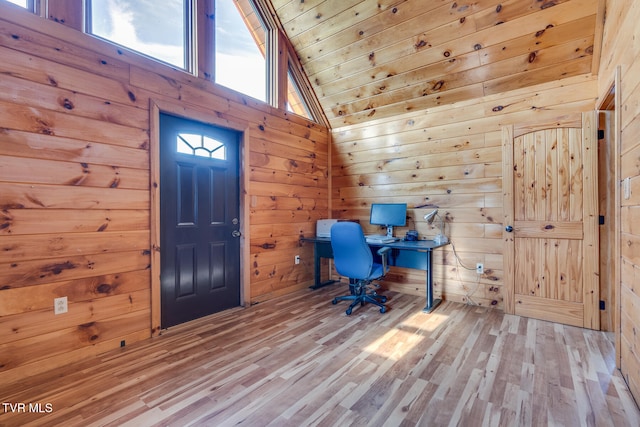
(351, 253)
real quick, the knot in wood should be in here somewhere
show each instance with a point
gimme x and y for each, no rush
(103, 288)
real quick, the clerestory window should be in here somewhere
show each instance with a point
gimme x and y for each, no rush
(238, 50)
(241, 48)
(27, 4)
(161, 31)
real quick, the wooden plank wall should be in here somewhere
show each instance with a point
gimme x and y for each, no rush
(75, 192)
(449, 156)
(621, 49)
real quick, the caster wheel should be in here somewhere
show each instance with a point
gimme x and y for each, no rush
(383, 309)
(348, 312)
(334, 302)
(383, 299)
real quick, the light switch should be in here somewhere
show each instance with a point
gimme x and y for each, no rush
(626, 188)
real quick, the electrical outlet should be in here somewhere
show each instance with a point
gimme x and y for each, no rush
(60, 305)
(480, 268)
(296, 260)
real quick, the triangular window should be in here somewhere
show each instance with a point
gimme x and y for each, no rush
(295, 100)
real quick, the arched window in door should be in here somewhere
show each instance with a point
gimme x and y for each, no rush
(201, 146)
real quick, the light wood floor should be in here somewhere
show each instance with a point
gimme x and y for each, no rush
(300, 361)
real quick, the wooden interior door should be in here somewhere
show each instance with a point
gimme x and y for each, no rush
(551, 220)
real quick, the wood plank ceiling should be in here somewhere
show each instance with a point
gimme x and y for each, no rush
(372, 59)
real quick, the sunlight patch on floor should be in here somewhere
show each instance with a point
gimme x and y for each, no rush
(400, 340)
(425, 322)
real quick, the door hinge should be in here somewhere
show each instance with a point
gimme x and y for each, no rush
(601, 219)
(602, 305)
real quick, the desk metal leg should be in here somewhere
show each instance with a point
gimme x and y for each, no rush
(317, 283)
(316, 270)
(431, 303)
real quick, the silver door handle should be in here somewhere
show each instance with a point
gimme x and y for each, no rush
(236, 233)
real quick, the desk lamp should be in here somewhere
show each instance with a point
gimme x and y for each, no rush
(430, 217)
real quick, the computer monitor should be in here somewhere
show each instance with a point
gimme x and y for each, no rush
(389, 215)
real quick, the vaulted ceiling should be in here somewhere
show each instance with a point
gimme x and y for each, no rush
(371, 59)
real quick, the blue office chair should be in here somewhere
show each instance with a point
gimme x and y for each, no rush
(353, 259)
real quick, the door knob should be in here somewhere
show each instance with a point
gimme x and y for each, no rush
(508, 229)
(236, 233)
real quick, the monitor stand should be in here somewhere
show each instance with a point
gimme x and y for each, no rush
(389, 230)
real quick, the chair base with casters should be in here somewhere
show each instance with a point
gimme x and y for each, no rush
(359, 295)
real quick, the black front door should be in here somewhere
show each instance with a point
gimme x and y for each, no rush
(199, 219)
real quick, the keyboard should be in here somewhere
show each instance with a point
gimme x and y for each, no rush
(379, 238)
